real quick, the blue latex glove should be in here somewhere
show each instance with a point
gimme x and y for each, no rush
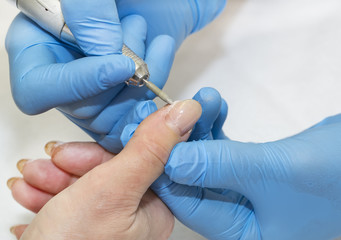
(176, 18)
(47, 73)
(208, 127)
(185, 201)
(287, 189)
(89, 91)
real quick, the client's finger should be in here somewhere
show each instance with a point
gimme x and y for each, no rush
(29, 197)
(18, 230)
(142, 160)
(45, 176)
(77, 158)
(126, 177)
(42, 178)
(112, 194)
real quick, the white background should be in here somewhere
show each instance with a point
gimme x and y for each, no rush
(276, 62)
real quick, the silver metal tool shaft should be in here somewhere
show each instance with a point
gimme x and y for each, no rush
(48, 15)
(161, 94)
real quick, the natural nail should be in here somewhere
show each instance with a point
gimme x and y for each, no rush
(183, 115)
(12, 230)
(11, 182)
(50, 146)
(21, 164)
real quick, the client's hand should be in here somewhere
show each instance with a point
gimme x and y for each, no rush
(111, 201)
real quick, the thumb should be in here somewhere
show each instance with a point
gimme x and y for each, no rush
(95, 25)
(142, 160)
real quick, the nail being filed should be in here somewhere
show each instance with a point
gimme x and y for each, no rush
(161, 94)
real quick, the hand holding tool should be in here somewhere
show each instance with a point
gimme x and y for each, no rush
(48, 15)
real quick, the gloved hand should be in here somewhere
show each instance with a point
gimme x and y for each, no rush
(66, 165)
(47, 73)
(89, 91)
(194, 206)
(287, 189)
(208, 127)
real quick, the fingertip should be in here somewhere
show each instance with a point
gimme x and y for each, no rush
(182, 166)
(164, 43)
(207, 11)
(98, 74)
(160, 184)
(210, 100)
(144, 109)
(224, 107)
(160, 56)
(123, 65)
(217, 129)
(182, 116)
(135, 33)
(207, 94)
(18, 230)
(21, 165)
(138, 21)
(50, 147)
(99, 31)
(84, 78)
(173, 160)
(77, 158)
(29, 197)
(127, 133)
(44, 175)
(11, 182)
(90, 76)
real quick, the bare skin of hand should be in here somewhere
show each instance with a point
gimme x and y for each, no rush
(84, 192)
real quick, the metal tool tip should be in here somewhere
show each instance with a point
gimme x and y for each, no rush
(161, 94)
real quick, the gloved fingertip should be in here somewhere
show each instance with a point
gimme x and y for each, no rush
(224, 106)
(115, 69)
(187, 163)
(159, 57)
(98, 32)
(217, 131)
(210, 100)
(161, 183)
(135, 33)
(173, 161)
(144, 109)
(138, 23)
(207, 94)
(207, 11)
(130, 65)
(127, 133)
(161, 51)
(109, 143)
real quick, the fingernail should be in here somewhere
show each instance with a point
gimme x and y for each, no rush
(12, 230)
(11, 182)
(50, 146)
(183, 115)
(21, 164)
